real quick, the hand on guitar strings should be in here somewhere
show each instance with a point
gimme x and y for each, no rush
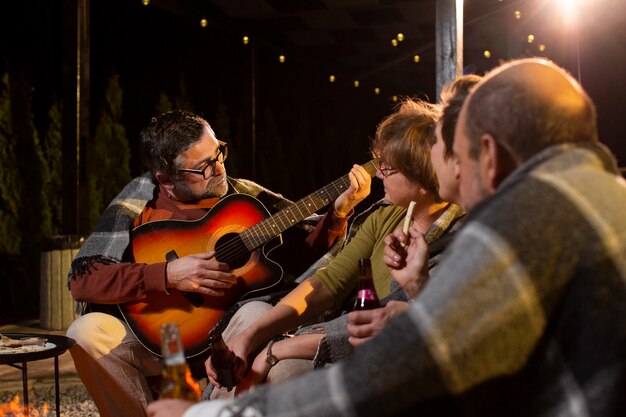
(199, 273)
(360, 184)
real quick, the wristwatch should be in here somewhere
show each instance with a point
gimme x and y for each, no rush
(270, 358)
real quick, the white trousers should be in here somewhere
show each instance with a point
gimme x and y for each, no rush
(112, 364)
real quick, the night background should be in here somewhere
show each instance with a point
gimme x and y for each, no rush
(288, 126)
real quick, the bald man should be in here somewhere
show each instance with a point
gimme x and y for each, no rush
(526, 315)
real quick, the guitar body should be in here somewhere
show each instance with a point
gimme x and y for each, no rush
(197, 314)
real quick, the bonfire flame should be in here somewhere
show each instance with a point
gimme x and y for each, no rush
(14, 409)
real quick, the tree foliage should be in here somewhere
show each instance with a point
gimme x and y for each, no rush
(108, 154)
(53, 156)
(10, 183)
(164, 104)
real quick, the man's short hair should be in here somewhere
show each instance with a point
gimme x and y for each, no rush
(453, 96)
(529, 108)
(168, 136)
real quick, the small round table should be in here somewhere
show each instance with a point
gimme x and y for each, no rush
(61, 343)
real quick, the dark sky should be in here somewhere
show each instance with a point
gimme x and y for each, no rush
(153, 49)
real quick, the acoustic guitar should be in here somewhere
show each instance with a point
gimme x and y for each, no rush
(237, 228)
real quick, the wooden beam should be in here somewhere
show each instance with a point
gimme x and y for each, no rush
(449, 41)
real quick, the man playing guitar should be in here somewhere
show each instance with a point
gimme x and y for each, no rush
(186, 180)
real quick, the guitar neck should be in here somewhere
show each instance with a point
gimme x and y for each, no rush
(257, 235)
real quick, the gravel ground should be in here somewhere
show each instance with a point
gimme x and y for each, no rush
(75, 401)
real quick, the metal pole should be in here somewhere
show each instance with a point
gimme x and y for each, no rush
(75, 118)
(253, 110)
(449, 41)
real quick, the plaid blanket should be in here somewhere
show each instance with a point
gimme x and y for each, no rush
(111, 236)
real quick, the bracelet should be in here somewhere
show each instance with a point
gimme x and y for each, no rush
(270, 358)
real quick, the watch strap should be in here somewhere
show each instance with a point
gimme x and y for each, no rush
(270, 358)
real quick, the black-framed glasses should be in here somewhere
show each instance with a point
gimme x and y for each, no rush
(207, 171)
(386, 171)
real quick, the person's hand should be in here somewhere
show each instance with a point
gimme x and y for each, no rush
(360, 184)
(239, 345)
(168, 408)
(365, 324)
(408, 264)
(256, 374)
(199, 273)
(394, 255)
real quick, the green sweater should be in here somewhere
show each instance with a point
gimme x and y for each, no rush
(340, 276)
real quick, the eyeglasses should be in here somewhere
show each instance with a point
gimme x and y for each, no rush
(207, 171)
(386, 171)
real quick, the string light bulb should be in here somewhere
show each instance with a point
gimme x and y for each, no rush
(356, 83)
(203, 22)
(331, 78)
(531, 38)
(487, 53)
(146, 2)
(400, 37)
(394, 42)
(518, 14)
(542, 47)
(570, 10)
(246, 40)
(416, 58)
(394, 99)
(377, 91)
(282, 59)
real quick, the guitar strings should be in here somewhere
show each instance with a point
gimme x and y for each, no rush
(236, 247)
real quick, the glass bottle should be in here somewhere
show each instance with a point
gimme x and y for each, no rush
(223, 359)
(366, 297)
(177, 380)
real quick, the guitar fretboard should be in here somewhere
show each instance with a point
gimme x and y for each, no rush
(257, 235)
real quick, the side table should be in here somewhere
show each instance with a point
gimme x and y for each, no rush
(61, 344)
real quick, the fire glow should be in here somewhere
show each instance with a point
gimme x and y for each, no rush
(14, 409)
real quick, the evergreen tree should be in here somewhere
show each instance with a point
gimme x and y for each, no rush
(34, 210)
(223, 132)
(10, 183)
(108, 155)
(182, 100)
(53, 185)
(164, 105)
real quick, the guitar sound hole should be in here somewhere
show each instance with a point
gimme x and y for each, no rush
(230, 249)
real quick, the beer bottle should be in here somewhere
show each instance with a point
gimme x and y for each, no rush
(224, 360)
(366, 298)
(177, 380)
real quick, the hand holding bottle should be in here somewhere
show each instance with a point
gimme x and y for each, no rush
(177, 380)
(224, 362)
(364, 325)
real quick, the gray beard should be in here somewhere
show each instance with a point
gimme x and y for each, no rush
(212, 190)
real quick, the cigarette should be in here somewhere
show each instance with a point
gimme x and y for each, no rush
(407, 220)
